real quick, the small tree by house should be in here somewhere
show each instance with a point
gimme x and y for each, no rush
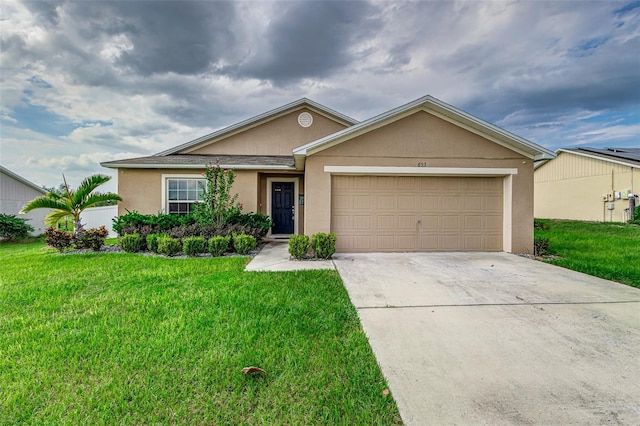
(71, 203)
(217, 201)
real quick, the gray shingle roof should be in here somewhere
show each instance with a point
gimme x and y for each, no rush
(281, 162)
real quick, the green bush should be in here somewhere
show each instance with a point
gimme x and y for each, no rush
(540, 246)
(132, 243)
(168, 246)
(219, 245)
(324, 245)
(60, 240)
(132, 222)
(299, 246)
(152, 242)
(256, 224)
(14, 228)
(636, 214)
(93, 238)
(243, 243)
(193, 246)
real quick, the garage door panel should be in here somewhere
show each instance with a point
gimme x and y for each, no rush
(473, 223)
(362, 222)
(407, 222)
(450, 203)
(430, 203)
(386, 223)
(387, 213)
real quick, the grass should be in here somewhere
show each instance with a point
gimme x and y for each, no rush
(128, 339)
(605, 250)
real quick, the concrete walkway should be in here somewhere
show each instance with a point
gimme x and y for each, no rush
(494, 338)
(275, 257)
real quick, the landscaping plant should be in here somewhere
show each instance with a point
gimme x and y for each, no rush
(152, 242)
(14, 228)
(299, 246)
(324, 245)
(59, 240)
(93, 238)
(168, 246)
(219, 245)
(243, 243)
(193, 246)
(217, 200)
(71, 203)
(132, 243)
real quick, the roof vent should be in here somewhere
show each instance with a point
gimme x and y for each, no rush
(305, 119)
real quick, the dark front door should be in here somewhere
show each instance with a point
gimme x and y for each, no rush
(282, 207)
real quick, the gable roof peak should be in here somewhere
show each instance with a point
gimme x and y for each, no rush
(253, 121)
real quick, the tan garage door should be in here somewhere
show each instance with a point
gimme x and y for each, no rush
(398, 213)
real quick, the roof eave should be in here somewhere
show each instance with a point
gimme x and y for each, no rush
(197, 166)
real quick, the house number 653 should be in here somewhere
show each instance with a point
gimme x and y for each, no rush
(422, 164)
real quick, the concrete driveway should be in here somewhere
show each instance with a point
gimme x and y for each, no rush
(494, 338)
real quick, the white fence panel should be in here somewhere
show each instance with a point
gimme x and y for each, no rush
(96, 217)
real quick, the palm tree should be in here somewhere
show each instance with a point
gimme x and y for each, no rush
(72, 203)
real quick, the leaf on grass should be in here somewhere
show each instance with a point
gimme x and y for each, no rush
(252, 370)
(385, 393)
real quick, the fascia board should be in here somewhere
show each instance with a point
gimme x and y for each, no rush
(257, 120)
(601, 158)
(196, 166)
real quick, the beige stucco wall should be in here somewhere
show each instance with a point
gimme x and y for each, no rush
(572, 187)
(421, 138)
(141, 189)
(276, 137)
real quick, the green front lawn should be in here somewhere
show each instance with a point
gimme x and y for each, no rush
(605, 250)
(129, 339)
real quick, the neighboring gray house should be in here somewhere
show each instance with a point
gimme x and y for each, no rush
(15, 192)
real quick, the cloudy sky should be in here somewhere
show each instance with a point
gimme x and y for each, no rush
(83, 82)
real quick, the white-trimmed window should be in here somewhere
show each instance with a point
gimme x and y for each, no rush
(182, 193)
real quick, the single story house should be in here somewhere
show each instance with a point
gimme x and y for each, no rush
(587, 184)
(425, 176)
(15, 192)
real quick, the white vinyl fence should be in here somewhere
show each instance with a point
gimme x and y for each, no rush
(96, 217)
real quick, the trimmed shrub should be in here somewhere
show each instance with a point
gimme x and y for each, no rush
(168, 246)
(193, 246)
(540, 246)
(60, 240)
(243, 243)
(132, 243)
(93, 238)
(152, 242)
(218, 245)
(299, 246)
(14, 228)
(324, 245)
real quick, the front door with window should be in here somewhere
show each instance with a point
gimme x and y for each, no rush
(282, 207)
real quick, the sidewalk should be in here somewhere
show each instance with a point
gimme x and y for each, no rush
(275, 257)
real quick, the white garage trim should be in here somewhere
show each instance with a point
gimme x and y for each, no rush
(507, 194)
(419, 171)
